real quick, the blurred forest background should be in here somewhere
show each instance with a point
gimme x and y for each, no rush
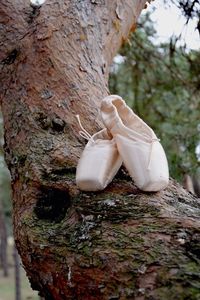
(161, 83)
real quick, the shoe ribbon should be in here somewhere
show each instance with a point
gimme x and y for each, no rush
(83, 133)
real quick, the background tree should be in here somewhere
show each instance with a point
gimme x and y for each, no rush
(3, 240)
(190, 9)
(116, 244)
(161, 83)
(5, 183)
(5, 206)
(17, 274)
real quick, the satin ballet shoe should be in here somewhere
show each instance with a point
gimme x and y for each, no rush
(99, 161)
(139, 147)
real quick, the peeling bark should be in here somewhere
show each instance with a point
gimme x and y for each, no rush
(115, 244)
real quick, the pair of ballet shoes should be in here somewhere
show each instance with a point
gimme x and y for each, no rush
(125, 139)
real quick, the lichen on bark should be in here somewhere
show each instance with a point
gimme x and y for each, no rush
(122, 245)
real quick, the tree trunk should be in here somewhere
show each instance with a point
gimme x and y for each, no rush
(188, 183)
(196, 184)
(3, 240)
(116, 244)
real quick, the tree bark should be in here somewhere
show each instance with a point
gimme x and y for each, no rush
(115, 244)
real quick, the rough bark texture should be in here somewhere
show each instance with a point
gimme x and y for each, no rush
(115, 244)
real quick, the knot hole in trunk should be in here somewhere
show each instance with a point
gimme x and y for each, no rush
(52, 204)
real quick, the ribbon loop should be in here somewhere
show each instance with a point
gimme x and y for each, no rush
(83, 133)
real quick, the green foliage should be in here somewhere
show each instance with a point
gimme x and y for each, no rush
(162, 85)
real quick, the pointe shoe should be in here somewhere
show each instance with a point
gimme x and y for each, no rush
(139, 147)
(99, 161)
